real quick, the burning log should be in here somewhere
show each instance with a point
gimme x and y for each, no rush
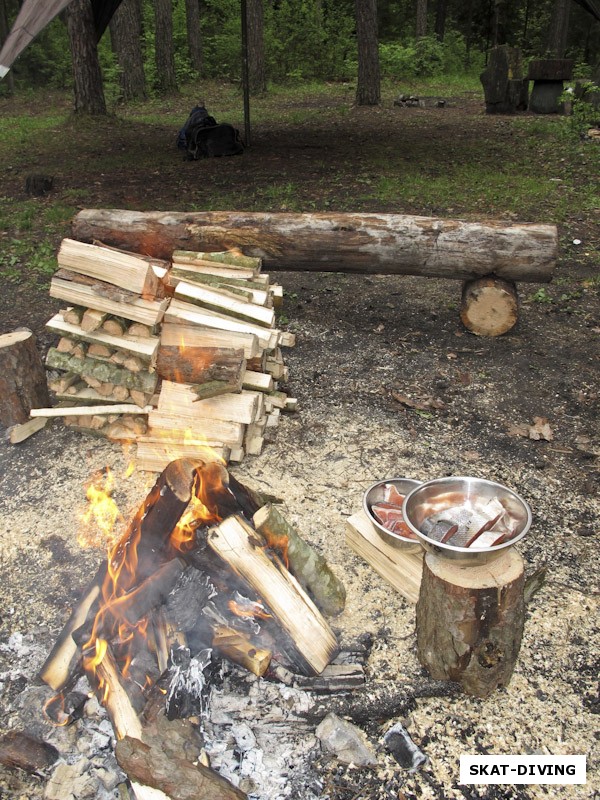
(338, 242)
(149, 530)
(309, 567)
(122, 698)
(176, 777)
(136, 604)
(244, 550)
(22, 379)
(235, 646)
(65, 657)
(470, 621)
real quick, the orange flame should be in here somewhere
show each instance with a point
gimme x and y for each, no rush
(102, 515)
(110, 623)
(254, 610)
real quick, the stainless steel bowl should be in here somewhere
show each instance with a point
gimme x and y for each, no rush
(437, 495)
(374, 495)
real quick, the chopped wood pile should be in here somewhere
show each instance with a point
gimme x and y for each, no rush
(176, 355)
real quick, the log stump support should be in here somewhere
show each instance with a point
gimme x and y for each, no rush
(470, 621)
(22, 377)
(489, 306)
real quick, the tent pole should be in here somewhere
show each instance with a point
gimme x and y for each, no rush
(245, 74)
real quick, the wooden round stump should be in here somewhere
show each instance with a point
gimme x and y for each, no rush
(470, 621)
(22, 377)
(489, 306)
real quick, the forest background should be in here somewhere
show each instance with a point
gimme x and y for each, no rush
(156, 46)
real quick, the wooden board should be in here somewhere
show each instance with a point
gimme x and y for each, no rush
(403, 570)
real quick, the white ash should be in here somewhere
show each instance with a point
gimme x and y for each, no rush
(257, 738)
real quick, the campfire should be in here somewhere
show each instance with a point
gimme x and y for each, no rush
(206, 570)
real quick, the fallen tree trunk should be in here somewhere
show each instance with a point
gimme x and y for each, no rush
(328, 242)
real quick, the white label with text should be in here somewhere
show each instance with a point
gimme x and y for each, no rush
(522, 769)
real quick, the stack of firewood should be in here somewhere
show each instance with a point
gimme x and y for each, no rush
(176, 356)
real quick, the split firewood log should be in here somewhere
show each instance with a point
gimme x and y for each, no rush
(310, 568)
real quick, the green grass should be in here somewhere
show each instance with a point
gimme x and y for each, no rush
(527, 168)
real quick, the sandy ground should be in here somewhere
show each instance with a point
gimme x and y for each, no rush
(345, 436)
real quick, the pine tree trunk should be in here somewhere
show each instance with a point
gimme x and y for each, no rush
(4, 30)
(256, 47)
(440, 19)
(421, 29)
(126, 38)
(194, 35)
(88, 89)
(166, 81)
(559, 29)
(368, 89)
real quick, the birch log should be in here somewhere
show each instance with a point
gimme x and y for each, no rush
(338, 242)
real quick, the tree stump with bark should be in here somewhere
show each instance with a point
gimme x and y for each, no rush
(22, 377)
(470, 621)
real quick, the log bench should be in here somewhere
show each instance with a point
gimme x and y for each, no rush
(489, 257)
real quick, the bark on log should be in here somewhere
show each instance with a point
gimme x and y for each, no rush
(201, 364)
(103, 371)
(22, 377)
(22, 751)
(489, 306)
(176, 777)
(470, 621)
(329, 242)
(309, 567)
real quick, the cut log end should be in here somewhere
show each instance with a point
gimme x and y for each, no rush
(489, 306)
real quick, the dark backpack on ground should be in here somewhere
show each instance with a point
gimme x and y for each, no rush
(218, 140)
(198, 118)
(202, 137)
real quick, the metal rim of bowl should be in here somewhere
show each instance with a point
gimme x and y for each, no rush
(466, 551)
(380, 528)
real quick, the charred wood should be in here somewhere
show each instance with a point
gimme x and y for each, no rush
(176, 777)
(20, 750)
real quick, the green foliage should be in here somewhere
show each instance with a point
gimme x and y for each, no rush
(585, 108)
(425, 58)
(306, 40)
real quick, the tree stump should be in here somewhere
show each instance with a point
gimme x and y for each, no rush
(489, 306)
(22, 377)
(470, 621)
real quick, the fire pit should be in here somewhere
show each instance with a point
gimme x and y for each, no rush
(471, 521)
